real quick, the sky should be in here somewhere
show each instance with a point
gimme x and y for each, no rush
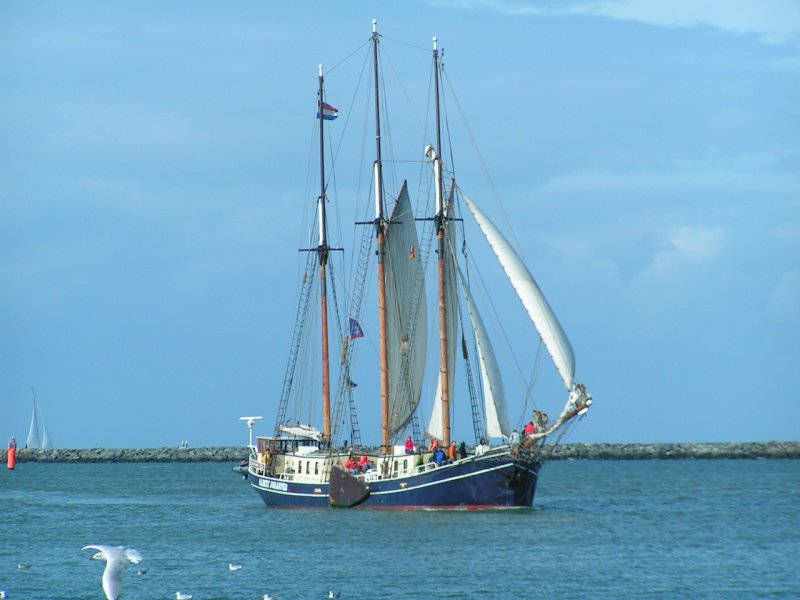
(155, 169)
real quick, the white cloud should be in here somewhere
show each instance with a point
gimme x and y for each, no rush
(696, 243)
(785, 298)
(774, 21)
(679, 276)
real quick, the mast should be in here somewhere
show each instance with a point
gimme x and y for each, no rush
(380, 231)
(441, 223)
(322, 251)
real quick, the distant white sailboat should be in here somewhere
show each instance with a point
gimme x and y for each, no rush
(37, 418)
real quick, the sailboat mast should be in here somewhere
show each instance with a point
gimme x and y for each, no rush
(323, 251)
(380, 230)
(441, 223)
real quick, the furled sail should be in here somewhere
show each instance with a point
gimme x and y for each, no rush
(406, 314)
(435, 428)
(494, 396)
(553, 336)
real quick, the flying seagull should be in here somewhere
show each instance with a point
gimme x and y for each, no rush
(117, 559)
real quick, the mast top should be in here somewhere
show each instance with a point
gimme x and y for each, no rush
(320, 70)
(434, 42)
(374, 25)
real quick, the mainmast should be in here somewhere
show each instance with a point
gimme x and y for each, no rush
(380, 231)
(323, 250)
(441, 224)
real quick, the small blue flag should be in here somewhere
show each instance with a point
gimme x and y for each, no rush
(355, 329)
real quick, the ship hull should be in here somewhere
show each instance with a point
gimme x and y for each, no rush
(489, 482)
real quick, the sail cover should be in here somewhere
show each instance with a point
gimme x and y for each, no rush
(406, 314)
(435, 428)
(553, 336)
(494, 396)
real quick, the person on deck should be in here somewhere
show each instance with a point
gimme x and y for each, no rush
(433, 445)
(452, 452)
(462, 450)
(438, 457)
(481, 448)
(351, 465)
(514, 437)
(409, 445)
(364, 464)
(530, 429)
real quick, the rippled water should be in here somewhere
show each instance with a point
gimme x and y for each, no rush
(628, 529)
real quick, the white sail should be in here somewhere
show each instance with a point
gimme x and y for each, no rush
(497, 422)
(46, 443)
(33, 431)
(435, 431)
(553, 336)
(406, 314)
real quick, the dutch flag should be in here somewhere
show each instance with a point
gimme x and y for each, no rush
(328, 112)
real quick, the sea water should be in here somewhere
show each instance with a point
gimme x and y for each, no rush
(599, 529)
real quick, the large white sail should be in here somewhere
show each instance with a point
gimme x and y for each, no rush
(545, 321)
(406, 314)
(33, 431)
(497, 422)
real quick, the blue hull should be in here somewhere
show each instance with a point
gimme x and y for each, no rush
(480, 483)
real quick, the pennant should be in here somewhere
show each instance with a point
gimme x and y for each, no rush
(355, 329)
(328, 112)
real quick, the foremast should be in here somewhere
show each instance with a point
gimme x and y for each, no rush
(380, 232)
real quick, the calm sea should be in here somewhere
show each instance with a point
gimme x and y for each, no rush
(649, 529)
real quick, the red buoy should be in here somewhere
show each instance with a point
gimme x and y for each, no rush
(12, 454)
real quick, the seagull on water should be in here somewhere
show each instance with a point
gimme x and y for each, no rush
(117, 559)
(24, 566)
(234, 567)
(180, 596)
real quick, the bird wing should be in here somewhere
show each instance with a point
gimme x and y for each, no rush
(116, 562)
(133, 555)
(100, 547)
(112, 579)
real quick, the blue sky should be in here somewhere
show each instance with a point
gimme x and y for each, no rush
(155, 167)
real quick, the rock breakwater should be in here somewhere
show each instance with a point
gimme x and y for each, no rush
(730, 450)
(673, 451)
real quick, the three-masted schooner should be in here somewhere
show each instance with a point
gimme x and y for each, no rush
(303, 466)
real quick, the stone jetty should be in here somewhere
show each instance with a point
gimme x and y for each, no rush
(730, 450)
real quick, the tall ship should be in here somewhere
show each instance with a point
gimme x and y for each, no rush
(412, 284)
